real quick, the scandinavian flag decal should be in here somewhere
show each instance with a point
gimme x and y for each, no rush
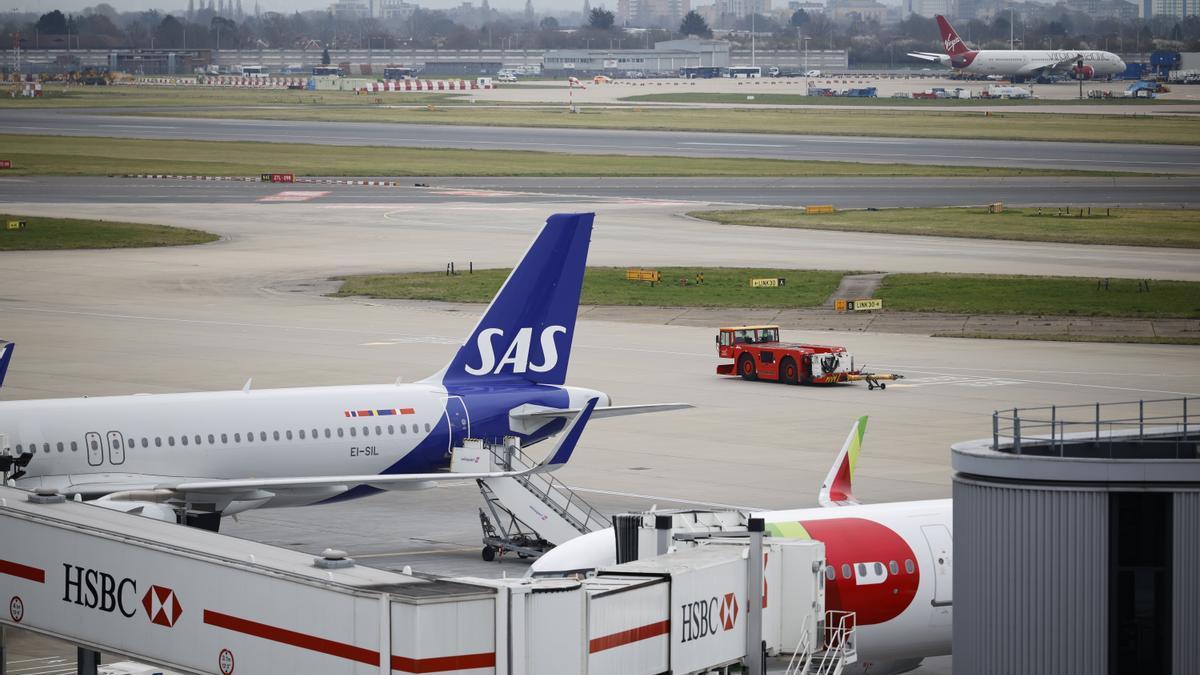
(162, 606)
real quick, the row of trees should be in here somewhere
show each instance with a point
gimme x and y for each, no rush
(869, 42)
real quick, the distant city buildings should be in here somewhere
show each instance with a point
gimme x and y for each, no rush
(1175, 8)
(652, 13)
(929, 8)
(866, 10)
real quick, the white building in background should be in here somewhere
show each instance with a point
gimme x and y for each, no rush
(396, 9)
(350, 9)
(1175, 8)
(806, 5)
(928, 8)
(652, 13)
(867, 10)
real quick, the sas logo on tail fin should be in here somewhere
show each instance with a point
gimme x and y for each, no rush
(517, 353)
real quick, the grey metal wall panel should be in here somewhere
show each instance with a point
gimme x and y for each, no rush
(1185, 582)
(1030, 584)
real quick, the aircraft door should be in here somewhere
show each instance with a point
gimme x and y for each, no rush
(116, 448)
(95, 449)
(941, 550)
(458, 420)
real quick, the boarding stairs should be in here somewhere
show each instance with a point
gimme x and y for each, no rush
(830, 652)
(528, 514)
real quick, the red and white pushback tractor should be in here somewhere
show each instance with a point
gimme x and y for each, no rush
(758, 354)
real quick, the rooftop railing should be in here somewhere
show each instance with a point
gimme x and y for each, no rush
(1155, 429)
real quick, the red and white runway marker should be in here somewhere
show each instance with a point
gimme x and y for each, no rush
(294, 196)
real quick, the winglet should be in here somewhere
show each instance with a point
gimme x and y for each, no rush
(569, 439)
(6, 350)
(837, 488)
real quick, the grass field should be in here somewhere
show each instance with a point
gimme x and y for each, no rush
(88, 156)
(1059, 296)
(41, 234)
(800, 99)
(60, 96)
(1179, 228)
(1167, 129)
(723, 287)
(730, 288)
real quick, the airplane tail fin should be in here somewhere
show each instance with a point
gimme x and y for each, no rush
(837, 488)
(526, 333)
(950, 39)
(6, 350)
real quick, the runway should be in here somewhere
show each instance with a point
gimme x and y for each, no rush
(1170, 192)
(965, 152)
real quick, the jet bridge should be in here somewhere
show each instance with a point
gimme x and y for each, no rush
(197, 602)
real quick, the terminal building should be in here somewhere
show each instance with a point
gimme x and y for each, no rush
(666, 57)
(1077, 533)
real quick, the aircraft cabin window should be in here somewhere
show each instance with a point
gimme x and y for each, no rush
(59, 446)
(301, 434)
(158, 441)
(427, 426)
(276, 435)
(404, 428)
(893, 567)
(378, 431)
(199, 440)
(862, 570)
(366, 431)
(391, 430)
(262, 436)
(145, 442)
(314, 434)
(250, 437)
(908, 566)
(95, 445)
(171, 441)
(183, 440)
(845, 571)
(353, 431)
(212, 440)
(74, 447)
(341, 432)
(879, 568)
(288, 434)
(224, 439)
(237, 438)
(326, 432)
(830, 573)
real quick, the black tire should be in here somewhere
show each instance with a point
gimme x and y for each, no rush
(746, 367)
(883, 385)
(489, 553)
(788, 372)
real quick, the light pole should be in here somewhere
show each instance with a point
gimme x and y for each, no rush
(806, 39)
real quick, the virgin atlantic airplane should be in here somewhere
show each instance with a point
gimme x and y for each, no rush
(890, 564)
(1020, 64)
(196, 457)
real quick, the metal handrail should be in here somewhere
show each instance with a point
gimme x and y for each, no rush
(593, 519)
(1021, 425)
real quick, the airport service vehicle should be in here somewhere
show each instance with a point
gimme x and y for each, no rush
(1021, 64)
(757, 354)
(890, 563)
(195, 457)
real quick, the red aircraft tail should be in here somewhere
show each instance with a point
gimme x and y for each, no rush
(950, 40)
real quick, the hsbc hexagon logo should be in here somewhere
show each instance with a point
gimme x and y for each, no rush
(729, 611)
(162, 606)
(708, 617)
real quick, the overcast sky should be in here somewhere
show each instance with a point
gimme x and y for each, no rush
(289, 5)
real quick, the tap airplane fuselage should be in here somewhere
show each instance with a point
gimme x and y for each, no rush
(1021, 63)
(198, 456)
(891, 564)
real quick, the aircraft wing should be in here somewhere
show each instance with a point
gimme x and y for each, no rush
(567, 441)
(528, 418)
(930, 57)
(1066, 63)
